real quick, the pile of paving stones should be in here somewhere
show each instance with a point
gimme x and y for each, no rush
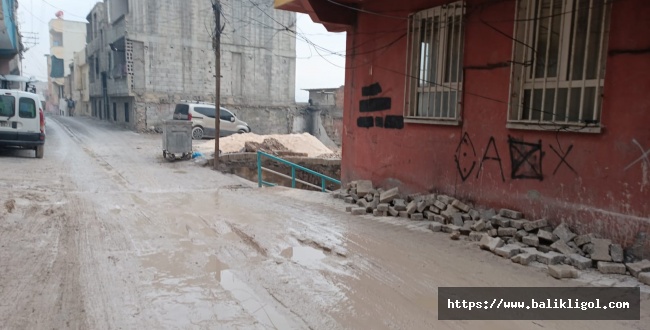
(505, 233)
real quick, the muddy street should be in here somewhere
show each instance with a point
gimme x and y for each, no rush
(103, 233)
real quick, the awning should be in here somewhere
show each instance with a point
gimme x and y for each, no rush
(11, 77)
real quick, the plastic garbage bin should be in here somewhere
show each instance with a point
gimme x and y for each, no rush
(177, 139)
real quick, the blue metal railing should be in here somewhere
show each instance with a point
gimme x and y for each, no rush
(260, 182)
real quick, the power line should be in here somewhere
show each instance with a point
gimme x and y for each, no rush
(365, 11)
(55, 7)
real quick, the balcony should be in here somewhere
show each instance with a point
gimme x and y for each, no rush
(9, 42)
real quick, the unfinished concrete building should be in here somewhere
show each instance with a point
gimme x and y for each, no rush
(324, 115)
(145, 56)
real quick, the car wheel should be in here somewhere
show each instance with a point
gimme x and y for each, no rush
(241, 131)
(197, 133)
(40, 150)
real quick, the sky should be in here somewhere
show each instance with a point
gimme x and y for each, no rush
(313, 70)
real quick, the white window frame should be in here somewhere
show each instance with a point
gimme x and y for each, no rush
(529, 106)
(448, 65)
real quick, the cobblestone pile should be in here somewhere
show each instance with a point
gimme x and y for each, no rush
(505, 233)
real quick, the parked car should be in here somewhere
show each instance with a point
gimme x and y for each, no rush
(22, 121)
(203, 123)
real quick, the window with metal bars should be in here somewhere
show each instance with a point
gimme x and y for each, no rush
(434, 86)
(559, 63)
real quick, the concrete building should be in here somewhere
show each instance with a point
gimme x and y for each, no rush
(145, 56)
(66, 38)
(324, 114)
(457, 97)
(10, 45)
(80, 84)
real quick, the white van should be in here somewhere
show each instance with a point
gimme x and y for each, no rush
(22, 121)
(203, 123)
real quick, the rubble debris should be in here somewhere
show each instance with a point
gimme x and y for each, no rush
(505, 233)
(644, 278)
(524, 258)
(601, 250)
(510, 214)
(564, 233)
(518, 224)
(500, 221)
(388, 195)
(304, 143)
(616, 252)
(508, 251)
(581, 240)
(508, 232)
(460, 205)
(550, 258)
(531, 240)
(562, 271)
(272, 146)
(476, 236)
(435, 227)
(364, 187)
(491, 243)
(562, 247)
(579, 261)
(611, 268)
(534, 225)
(455, 235)
(636, 268)
(546, 236)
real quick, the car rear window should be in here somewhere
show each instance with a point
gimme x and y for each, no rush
(7, 105)
(208, 112)
(26, 108)
(182, 109)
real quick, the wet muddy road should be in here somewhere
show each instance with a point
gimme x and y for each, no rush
(104, 234)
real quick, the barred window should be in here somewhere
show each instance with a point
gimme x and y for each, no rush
(434, 87)
(559, 63)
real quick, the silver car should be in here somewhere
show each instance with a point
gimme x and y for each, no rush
(203, 123)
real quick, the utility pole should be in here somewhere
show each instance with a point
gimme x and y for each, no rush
(216, 8)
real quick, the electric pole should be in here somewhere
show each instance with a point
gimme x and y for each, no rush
(216, 8)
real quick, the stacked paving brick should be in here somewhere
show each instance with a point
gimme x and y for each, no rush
(505, 233)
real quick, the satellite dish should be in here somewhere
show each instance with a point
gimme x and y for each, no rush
(59, 14)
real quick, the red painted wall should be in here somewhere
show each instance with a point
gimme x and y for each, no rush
(601, 196)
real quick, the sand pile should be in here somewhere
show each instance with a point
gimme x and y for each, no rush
(298, 143)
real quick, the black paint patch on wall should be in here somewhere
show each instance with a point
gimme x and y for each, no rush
(375, 104)
(396, 122)
(371, 90)
(526, 159)
(379, 121)
(365, 122)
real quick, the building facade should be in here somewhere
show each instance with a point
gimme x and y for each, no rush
(145, 56)
(10, 44)
(66, 38)
(540, 106)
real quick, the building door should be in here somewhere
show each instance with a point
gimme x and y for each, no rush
(114, 111)
(126, 112)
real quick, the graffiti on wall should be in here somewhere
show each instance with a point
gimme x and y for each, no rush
(563, 158)
(374, 104)
(491, 154)
(465, 157)
(645, 164)
(526, 159)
